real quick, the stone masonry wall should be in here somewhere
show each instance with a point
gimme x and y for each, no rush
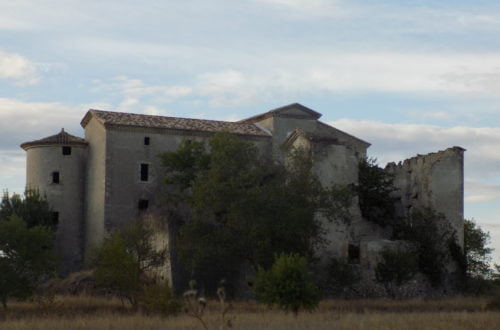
(434, 180)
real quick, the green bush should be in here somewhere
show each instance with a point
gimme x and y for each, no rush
(160, 299)
(287, 284)
(26, 258)
(341, 275)
(396, 267)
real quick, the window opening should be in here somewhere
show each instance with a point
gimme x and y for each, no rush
(55, 218)
(143, 204)
(353, 253)
(55, 177)
(144, 172)
(147, 140)
(66, 150)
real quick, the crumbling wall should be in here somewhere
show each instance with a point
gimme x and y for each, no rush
(435, 180)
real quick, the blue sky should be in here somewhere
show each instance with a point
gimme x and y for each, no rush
(408, 76)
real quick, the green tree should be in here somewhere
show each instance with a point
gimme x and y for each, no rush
(287, 284)
(375, 191)
(431, 235)
(26, 258)
(477, 254)
(244, 207)
(32, 208)
(397, 266)
(123, 261)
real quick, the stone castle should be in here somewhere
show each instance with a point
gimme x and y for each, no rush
(99, 183)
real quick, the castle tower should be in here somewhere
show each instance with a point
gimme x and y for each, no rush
(55, 165)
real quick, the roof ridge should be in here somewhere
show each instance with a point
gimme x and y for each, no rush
(116, 118)
(62, 137)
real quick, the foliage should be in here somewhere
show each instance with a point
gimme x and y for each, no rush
(244, 207)
(397, 267)
(32, 208)
(477, 254)
(160, 299)
(375, 193)
(116, 269)
(123, 260)
(287, 284)
(430, 233)
(25, 258)
(341, 275)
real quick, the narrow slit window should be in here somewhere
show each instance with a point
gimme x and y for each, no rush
(55, 218)
(353, 253)
(55, 177)
(147, 140)
(66, 151)
(144, 172)
(143, 204)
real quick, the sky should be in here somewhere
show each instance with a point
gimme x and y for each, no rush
(410, 77)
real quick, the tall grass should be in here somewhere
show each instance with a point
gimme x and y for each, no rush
(86, 312)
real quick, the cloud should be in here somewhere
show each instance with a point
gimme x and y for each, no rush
(23, 121)
(394, 142)
(18, 68)
(478, 192)
(12, 170)
(308, 8)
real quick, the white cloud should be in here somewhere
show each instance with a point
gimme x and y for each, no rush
(18, 68)
(136, 88)
(307, 8)
(21, 121)
(394, 142)
(478, 192)
(256, 79)
(12, 170)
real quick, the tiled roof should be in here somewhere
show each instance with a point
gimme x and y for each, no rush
(313, 137)
(109, 118)
(60, 138)
(283, 109)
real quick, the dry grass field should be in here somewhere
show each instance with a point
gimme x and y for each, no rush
(86, 312)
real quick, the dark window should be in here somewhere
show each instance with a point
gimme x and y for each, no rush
(55, 218)
(66, 151)
(144, 172)
(55, 177)
(143, 204)
(146, 140)
(353, 253)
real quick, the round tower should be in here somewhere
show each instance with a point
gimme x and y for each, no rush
(55, 166)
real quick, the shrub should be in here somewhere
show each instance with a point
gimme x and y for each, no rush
(396, 267)
(341, 275)
(26, 258)
(287, 284)
(160, 299)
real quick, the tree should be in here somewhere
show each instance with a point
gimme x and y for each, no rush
(124, 259)
(245, 208)
(477, 254)
(117, 270)
(32, 208)
(375, 191)
(26, 258)
(287, 284)
(397, 266)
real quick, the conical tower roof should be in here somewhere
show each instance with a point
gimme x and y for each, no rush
(62, 138)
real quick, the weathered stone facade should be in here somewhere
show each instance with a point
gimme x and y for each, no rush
(113, 175)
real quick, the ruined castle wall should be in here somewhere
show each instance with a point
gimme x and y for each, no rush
(337, 164)
(95, 187)
(434, 180)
